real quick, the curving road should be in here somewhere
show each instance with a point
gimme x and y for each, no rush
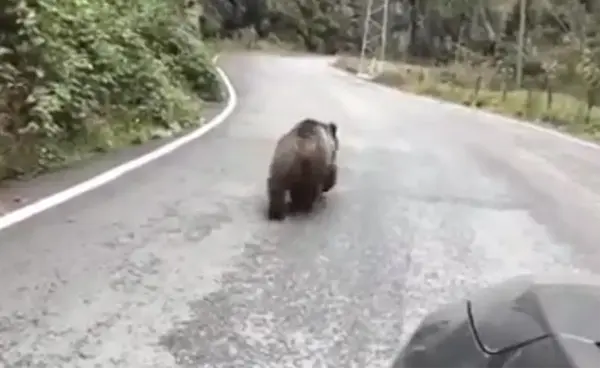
(174, 265)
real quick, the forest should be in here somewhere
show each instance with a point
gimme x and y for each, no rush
(79, 77)
(82, 77)
(530, 59)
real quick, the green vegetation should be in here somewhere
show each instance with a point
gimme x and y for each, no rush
(79, 77)
(476, 87)
(461, 50)
(322, 26)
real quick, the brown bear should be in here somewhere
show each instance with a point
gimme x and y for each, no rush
(303, 164)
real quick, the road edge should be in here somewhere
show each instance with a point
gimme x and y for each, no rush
(18, 215)
(489, 114)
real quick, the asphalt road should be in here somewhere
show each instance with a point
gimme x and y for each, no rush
(174, 265)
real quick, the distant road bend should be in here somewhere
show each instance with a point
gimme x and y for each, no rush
(174, 264)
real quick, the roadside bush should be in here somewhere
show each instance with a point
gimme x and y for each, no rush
(78, 76)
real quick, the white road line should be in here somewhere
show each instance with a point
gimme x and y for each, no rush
(56, 199)
(495, 117)
(540, 128)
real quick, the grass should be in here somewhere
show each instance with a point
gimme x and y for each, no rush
(458, 84)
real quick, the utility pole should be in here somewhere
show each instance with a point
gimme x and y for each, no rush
(521, 42)
(374, 42)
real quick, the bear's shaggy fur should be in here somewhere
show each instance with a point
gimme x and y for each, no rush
(303, 164)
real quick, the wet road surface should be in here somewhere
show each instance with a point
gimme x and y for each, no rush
(174, 265)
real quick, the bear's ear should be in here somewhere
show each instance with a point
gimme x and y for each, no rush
(333, 129)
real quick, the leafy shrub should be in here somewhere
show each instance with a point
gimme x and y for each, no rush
(70, 69)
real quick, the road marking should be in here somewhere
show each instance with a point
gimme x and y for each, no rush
(365, 76)
(522, 123)
(540, 128)
(76, 190)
